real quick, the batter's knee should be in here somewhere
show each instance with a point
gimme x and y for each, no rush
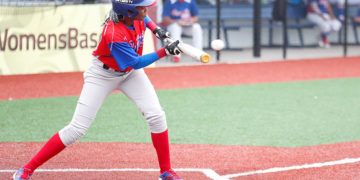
(71, 133)
(156, 121)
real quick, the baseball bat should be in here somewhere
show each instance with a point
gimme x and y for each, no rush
(192, 51)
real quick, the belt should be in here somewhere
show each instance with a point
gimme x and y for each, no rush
(109, 68)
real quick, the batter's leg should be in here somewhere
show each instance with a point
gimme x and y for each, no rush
(139, 89)
(98, 83)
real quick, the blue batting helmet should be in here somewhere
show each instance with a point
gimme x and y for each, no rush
(126, 8)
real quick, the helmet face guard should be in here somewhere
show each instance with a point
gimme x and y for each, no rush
(127, 8)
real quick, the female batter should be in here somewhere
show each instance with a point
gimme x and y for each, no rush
(117, 64)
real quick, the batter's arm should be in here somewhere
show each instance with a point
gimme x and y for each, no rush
(126, 57)
(158, 31)
(170, 49)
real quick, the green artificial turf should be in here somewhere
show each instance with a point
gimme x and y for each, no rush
(270, 114)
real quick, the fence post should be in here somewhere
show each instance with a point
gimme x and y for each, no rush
(257, 29)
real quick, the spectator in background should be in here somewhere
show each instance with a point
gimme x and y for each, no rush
(181, 17)
(340, 8)
(339, 5)
(321, 13)
(357, 18)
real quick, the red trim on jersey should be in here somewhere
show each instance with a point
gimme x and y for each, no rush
(151, 25)
(161, 53)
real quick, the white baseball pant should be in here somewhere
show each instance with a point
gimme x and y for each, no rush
(98, 84)
(195, 31)
(325, 25)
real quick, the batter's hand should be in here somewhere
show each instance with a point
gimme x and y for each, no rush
(172, 48)
(161, 33)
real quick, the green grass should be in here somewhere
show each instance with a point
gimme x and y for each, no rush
(271, 114)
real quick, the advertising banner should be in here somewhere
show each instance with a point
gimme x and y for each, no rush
(52, 39)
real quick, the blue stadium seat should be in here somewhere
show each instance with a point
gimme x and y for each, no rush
(352, 12)
(296, 16)
(229, 15)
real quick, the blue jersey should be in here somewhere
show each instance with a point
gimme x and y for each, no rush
(180, 9)
(318, 6)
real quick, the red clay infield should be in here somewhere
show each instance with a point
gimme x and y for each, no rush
(224, 160)
(69, 84)
(136, 160)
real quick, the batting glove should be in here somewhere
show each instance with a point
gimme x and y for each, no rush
(172, 48)
(161, 33)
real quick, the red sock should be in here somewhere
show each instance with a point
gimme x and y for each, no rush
(161, 144)
(49, 150)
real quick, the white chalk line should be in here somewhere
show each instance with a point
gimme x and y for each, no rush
(296, 167)
(207, 172)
